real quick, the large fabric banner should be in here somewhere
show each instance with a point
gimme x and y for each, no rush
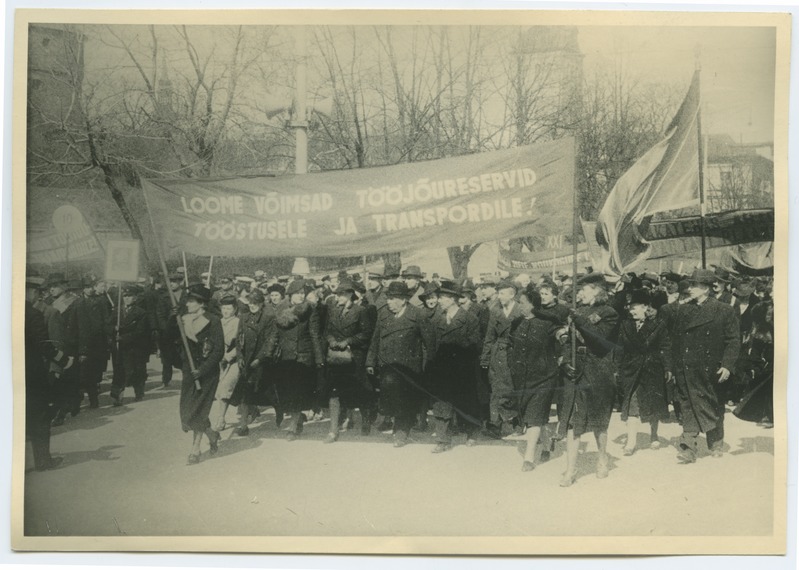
(464, 200)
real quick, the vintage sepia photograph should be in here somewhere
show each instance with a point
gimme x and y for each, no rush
(400, 282)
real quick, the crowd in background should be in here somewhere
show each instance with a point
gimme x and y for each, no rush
(538, 361)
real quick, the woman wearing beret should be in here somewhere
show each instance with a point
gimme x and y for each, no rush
(206, 342)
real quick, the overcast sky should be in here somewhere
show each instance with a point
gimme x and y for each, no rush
(738, 69)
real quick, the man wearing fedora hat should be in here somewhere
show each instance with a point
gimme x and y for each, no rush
(133, 340)
(96, 327)
(412, 276)
(255, 326)
(708, 344)
(453, 368)
(402, 338)
(494, 358)
(64, 332)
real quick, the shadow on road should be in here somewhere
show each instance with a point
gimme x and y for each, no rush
(757, 444)
(103, 453)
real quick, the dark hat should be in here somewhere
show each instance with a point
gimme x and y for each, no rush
(200, 292)
(467, 286)
(325, 278)
(345, 286)
(296, 286)
(89, 281)
(429, 289)
(374, 275)
(703, 277)
(398, 289)
(487, 280)
(412, 271)
(505, 284)
(671, 276)
(641, 297)
(131, 290)
(659, 298)
(649, 276)
(359, 287)
(342, 274)
(228, 299)
(255, 296)
(276, 287)
(283, 279)
(176, 277)
(593, 279)
(448, 287)
(722, 274)
(391, 275)
(435, 276)
(56, 279)
(683, 285)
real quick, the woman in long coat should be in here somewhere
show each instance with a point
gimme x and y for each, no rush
(207, 347)
(348, 330)
(589, 389)
(758, 404)
(533, 363)
(644, 369)
(296, 348)
(229, 367)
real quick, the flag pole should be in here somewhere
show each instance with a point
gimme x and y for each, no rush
(172, 298)
(701, 155)
(574, 254)
(210, 268)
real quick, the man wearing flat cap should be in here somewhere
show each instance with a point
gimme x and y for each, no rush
(494, 358)
(708, 344)
(402, 338)
(376, 292)
(133, 340)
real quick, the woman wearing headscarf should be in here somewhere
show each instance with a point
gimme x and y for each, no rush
(296, 349)
(206, 343)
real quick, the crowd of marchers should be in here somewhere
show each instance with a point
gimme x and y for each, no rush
(496, 358)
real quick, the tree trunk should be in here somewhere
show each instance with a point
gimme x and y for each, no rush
(459, 260)
(119, 198)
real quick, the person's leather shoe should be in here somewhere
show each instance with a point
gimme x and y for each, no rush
(291, 436)
(331, 438)
(441, 448)
(242, 431)
(528, 466)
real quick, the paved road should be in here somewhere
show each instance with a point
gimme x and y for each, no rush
(125, 472)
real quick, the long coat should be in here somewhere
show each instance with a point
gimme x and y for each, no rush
(354, 327)
(95, 327)
(37, 385)
(252, 342)
(532, 359)
(134, 330)
(453, 370)
(207, 351)
(495, 356)
(588, 398)
(708, 337)
(644, 358)
(398, 351)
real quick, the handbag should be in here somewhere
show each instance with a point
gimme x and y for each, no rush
(339, 357)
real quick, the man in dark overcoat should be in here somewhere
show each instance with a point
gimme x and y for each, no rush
(38, 352)
(64, 332)
(133, 340)
(453, 372)
(397, 351)
(708, 342)
(495, 358)
(96, 327)
(346, 338)
(255, 326)
(169, 343)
